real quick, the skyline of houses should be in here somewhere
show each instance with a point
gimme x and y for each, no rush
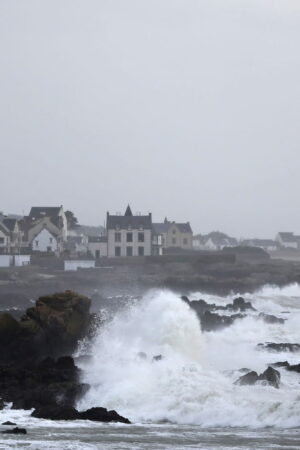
(46, 230)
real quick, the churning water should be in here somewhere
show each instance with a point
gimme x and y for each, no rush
(187, 398)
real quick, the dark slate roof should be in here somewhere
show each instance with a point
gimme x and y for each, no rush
(95, 239)
(125, 222)
(10, 223)
(4, 229)
(38, 212)
(163, 227)
(159, 228)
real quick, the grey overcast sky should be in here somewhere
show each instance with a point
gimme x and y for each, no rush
(186, 108)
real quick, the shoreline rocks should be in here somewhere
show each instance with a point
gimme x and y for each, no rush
(270, 376)
(70, 413)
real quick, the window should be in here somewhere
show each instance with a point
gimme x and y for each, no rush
(129, 237)
(1, 240)
(129, 251)
(117, 237)
(36, 243)
(174, 241)
(185, 241)
(49, 249)
(174, 231)
(117, 251)
(141, 251)
(141, 237)
(51, 240)
(97, 254)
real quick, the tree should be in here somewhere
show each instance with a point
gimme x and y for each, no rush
(71, 219)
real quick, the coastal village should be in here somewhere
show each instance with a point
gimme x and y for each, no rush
(56, 231)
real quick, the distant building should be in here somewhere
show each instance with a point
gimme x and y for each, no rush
(45, 230)
(288, 240)
(4, 239)
(266, 244)
(213, 241)
(129, 235)
(97, 246)
(172, 235)
(11, 242)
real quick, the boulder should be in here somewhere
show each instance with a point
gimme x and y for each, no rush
(242, 305)
(102, 415)
(8, 423)
(270, 376)
(248, 379)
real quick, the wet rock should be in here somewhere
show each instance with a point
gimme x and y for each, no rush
(157, 358)
(270, 376)
(8, 423)
(294, 368)
(102, 415)
(15, 431)
(268, 318)
(70, 413)
(280, 364)
(49, 383)
(212, 321)
(248, 379)
(282, 347)
(56, 413)
(242, 305)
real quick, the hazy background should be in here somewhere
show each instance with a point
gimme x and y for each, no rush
(186, 108)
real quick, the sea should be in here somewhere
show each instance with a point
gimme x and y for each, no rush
(151, 363)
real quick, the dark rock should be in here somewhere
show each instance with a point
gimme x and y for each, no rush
(270, 319)
(248, 379)
(70, 413)
(269, 376)
(52, 328)
(56, 413)
(282, 347)
(294, 368)
(8, 423)
(102, 415)
(242, 305)
(280, 364)
(212, 321)
(15, 431)
(48, 383)
(157, 358)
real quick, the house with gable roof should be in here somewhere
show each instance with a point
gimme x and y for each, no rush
(129, 234)
(171, 235)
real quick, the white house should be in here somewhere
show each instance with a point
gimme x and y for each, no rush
(213, 241)
(97, 246)
(45, 241)
(288, 240)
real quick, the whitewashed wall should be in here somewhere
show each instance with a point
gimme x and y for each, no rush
(44, 241)
(6, 260)
(79, 264)
(22, 260)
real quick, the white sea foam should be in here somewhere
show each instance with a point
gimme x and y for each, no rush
(194, 382)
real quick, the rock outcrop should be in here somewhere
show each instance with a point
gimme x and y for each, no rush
(282, 347)
(270, 377)
(70, 413)
(52, 328)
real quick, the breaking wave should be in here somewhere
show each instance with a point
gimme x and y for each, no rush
(193, 381)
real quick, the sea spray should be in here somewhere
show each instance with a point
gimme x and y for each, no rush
(193, 382)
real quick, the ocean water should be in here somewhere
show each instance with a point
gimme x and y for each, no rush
(188, 398)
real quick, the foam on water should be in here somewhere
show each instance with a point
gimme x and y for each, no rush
(194, 382)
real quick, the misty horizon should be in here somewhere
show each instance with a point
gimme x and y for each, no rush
(185, 109)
